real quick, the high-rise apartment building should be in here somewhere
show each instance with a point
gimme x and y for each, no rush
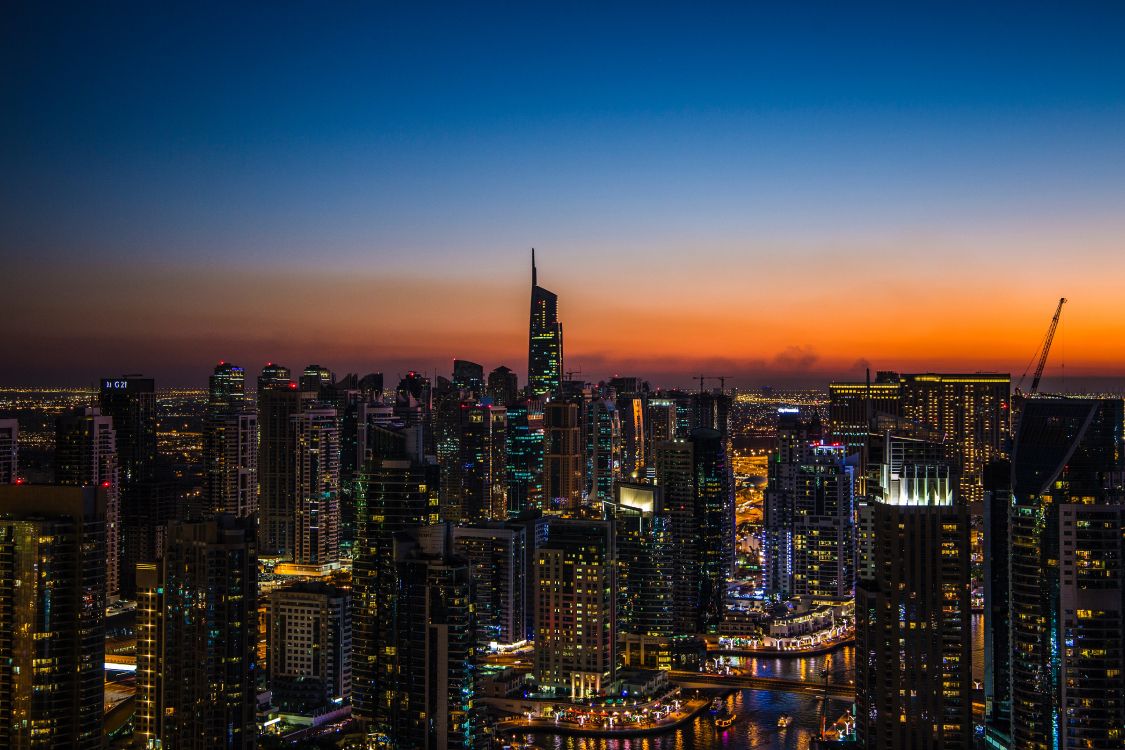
(809, 528)
(1066, 536)
(131, 402)
(576, 609)
(675, 474)
(278, 401)
(9, 450)
(483, 462)
(197, 632)
(316, 463)
(602, 437)
(468, 378)
(525, 438)
(497, 554)
(52, 616)
(545, 340)
(230, 445)
(913, 616)
(503, 386)
(86, 456)
(562, 457)
(310, 643)
(855, 408)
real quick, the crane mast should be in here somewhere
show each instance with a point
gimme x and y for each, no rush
(1046, 348)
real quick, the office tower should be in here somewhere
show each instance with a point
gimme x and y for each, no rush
(562, 457)
(686, 415)
(468, 378)
(545, 340)
(1066, 528)
(86, 455)
(503, 386)
(675, 474)
(310, 643)
(9, 450)
(278, 401)
(809, 530)
(602, 436)
(525, 438)
(394, 494)
(711, 411)
(433, 632)
(645, 558)
(483, 463)
(913, 645)
(314, 378)
(971, 410)
(575, 609)
(661, 424)
(52, 616)
(316, 464)
(855, 408)
(230, 445)
(497, 554)
(714, 523)
(634, 454)
(197, 630)
(997, 606)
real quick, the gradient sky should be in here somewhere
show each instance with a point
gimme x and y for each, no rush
(767, 194)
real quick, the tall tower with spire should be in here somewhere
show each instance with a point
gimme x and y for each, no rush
(545, 344)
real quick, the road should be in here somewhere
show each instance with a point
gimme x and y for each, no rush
(777, 684)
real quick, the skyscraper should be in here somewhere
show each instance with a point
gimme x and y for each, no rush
(9, 450)
(468, 378)
(52, 616)
(602, 434)
(675, 474)
(310, 643)
(278, 401)
(316, 463)
(714, 523)
(497, 553)
(562, 457)
(86, 455)
(197, 631)
(545, 340)
(809, 529)
(525, 456)
(503, 386)
(913, 645)
(483, 462)
(576, 609)
(131, 402)
(230, 445)
(1066, 527)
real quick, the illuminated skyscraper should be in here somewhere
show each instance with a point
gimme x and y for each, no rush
(562, 457)
(9, 450)
(483, 463)
(230, 445)
(854, 408)
(278, 401)
(1066, 529)
(545, 340)
(497, 553)
(52, 617)
(197, 633)
(674, 465)
(316, 483)
(310, 643)
(576, 609)
(86, 456)
(525, 456)
(503, 386)
(714, 523)
(913, 617)
(602, 434)
(468, 378)
(809, 529)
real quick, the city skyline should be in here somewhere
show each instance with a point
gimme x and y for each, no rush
(261, 185)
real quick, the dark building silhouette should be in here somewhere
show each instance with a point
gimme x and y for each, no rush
(503, 386)
(1066, 532)
(545, 340)
(997, 605)
(468, 378)
(230, 445)
(9, 450)
(482, 463)
(498, 555)
(52, 616)
(913, 609)
(279, 399)
(197, 634)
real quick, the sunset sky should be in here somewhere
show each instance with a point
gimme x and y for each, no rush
(772, 195)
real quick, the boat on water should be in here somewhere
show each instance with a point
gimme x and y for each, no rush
(717, 705)
(784, 720)
(725, 719)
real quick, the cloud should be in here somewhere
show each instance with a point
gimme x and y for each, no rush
(796, 357)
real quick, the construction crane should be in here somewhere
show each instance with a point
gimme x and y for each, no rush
(721, 378)
(1042, 352)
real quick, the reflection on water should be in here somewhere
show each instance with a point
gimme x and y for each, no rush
(758, 710)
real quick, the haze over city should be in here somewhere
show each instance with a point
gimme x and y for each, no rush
(772, 195)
